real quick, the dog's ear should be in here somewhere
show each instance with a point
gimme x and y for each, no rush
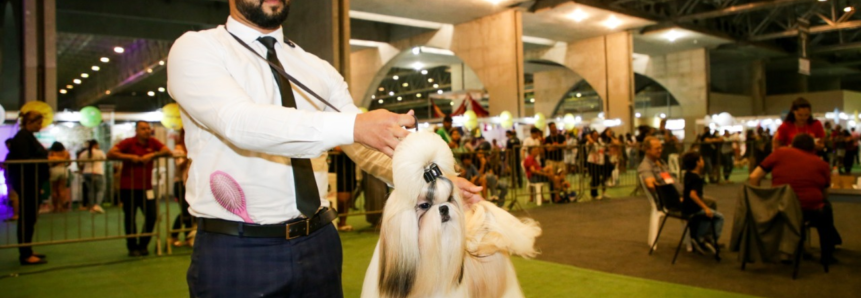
(399, 250)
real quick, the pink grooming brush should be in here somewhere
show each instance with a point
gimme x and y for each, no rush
(228, 194)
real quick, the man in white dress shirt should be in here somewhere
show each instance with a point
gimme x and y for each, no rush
(240, 136)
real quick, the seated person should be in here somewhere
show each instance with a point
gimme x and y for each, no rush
(809, 176)
(468, 170)
(489, 181)
(655, 171)
(537, 174)
(693, 204)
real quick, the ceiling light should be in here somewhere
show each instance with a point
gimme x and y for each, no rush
(612, 22)
(419, 95)
(85, 75)
(105, 60)
(373, 97)
(119, 50)
(150, 93)
(63, 91)
(424, 71)
(380, 101)
(405, 84)
(451, 103)
(663, 116)
(161, 62)
(578, 94)
(76, 81)
(418, 65)
(439, 92)
(108, 92)
(395, 78)
(382, 89)
(400, 98)
(638, 115)
(417, 51)
(430, 80)
(532, 100)
(848, 9)
(70, 87)
(436, 85)
(494, 2)
(161, 89)
(149, 70)
(673, 35)
(391, 93)
(578, 15)
(95, 68)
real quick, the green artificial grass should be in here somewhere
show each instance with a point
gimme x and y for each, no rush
(102, 268)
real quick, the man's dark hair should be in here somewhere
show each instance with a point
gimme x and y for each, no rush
(535, 130)
(138, 123)
(803, 142)
(551, 123)
(447, 118)
(8, 141)
(690, 160)
(57, 146)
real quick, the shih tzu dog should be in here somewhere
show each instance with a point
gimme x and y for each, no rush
(431, 244)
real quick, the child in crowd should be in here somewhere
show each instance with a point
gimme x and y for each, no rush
(693, 203)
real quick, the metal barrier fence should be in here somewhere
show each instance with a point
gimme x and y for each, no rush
(572, 171)
(68, 204)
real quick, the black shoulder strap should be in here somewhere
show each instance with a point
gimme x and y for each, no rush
(283, 73)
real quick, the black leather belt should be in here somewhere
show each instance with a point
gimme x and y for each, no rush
(290, 230)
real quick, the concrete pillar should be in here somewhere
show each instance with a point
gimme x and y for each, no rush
(620, 79)
(40, 52)
(10, 52)
(322, 27)
(492, 46)
(550, 87)
(685, 75)
(757, 89)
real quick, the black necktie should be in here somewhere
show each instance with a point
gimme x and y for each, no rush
(307, 196)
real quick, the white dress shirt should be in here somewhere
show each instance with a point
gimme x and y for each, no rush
(235, 123)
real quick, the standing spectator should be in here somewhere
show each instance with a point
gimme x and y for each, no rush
(13, 195)
(512, 149)
(799, 120)
(534, 140)
(93, 169)
(26, 180)
(182, 163)
(850, 147)
(456, 145)
(726, 154)
(709, 153)
(345, 173)
(554, 144)
(445, 131)
(855, 138)
(598, 164)
(59, 177)
(808, 176)
(571, 152)
(137, 154)
(482, 144)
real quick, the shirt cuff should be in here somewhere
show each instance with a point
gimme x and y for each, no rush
(339, 127)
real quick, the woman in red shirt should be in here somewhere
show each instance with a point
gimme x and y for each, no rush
(798, 121)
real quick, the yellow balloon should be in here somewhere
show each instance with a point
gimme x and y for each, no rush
(171, 118)
(507, 124)
(469, 115)
(505, 115)
(42, 108)
(540, 121)
(570, 121)
(471, 124)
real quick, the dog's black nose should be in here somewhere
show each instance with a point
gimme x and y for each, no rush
(443, 210)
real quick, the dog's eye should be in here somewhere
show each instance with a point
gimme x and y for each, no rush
(424, 206)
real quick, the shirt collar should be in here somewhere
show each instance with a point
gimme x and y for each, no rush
(250, 35)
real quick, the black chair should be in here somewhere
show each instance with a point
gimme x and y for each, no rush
(670, 203)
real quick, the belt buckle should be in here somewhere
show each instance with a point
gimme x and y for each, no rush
(307, 228)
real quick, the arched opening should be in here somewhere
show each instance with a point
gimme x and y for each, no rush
(653, 100)
(432, 82)
(555, 90)
(580, 99)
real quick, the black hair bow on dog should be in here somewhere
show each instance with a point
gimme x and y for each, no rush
(432, 172)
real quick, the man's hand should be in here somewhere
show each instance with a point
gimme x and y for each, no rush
(471, 192)
(146, 158)
(709, 213)
(382, 130)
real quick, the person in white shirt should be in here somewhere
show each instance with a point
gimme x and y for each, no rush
(92, 165)
(258, 238)
(534, 140)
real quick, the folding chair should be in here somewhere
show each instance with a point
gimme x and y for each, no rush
(657, 214)
(671, 205)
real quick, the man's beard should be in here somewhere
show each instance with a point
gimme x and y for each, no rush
(255, 14)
